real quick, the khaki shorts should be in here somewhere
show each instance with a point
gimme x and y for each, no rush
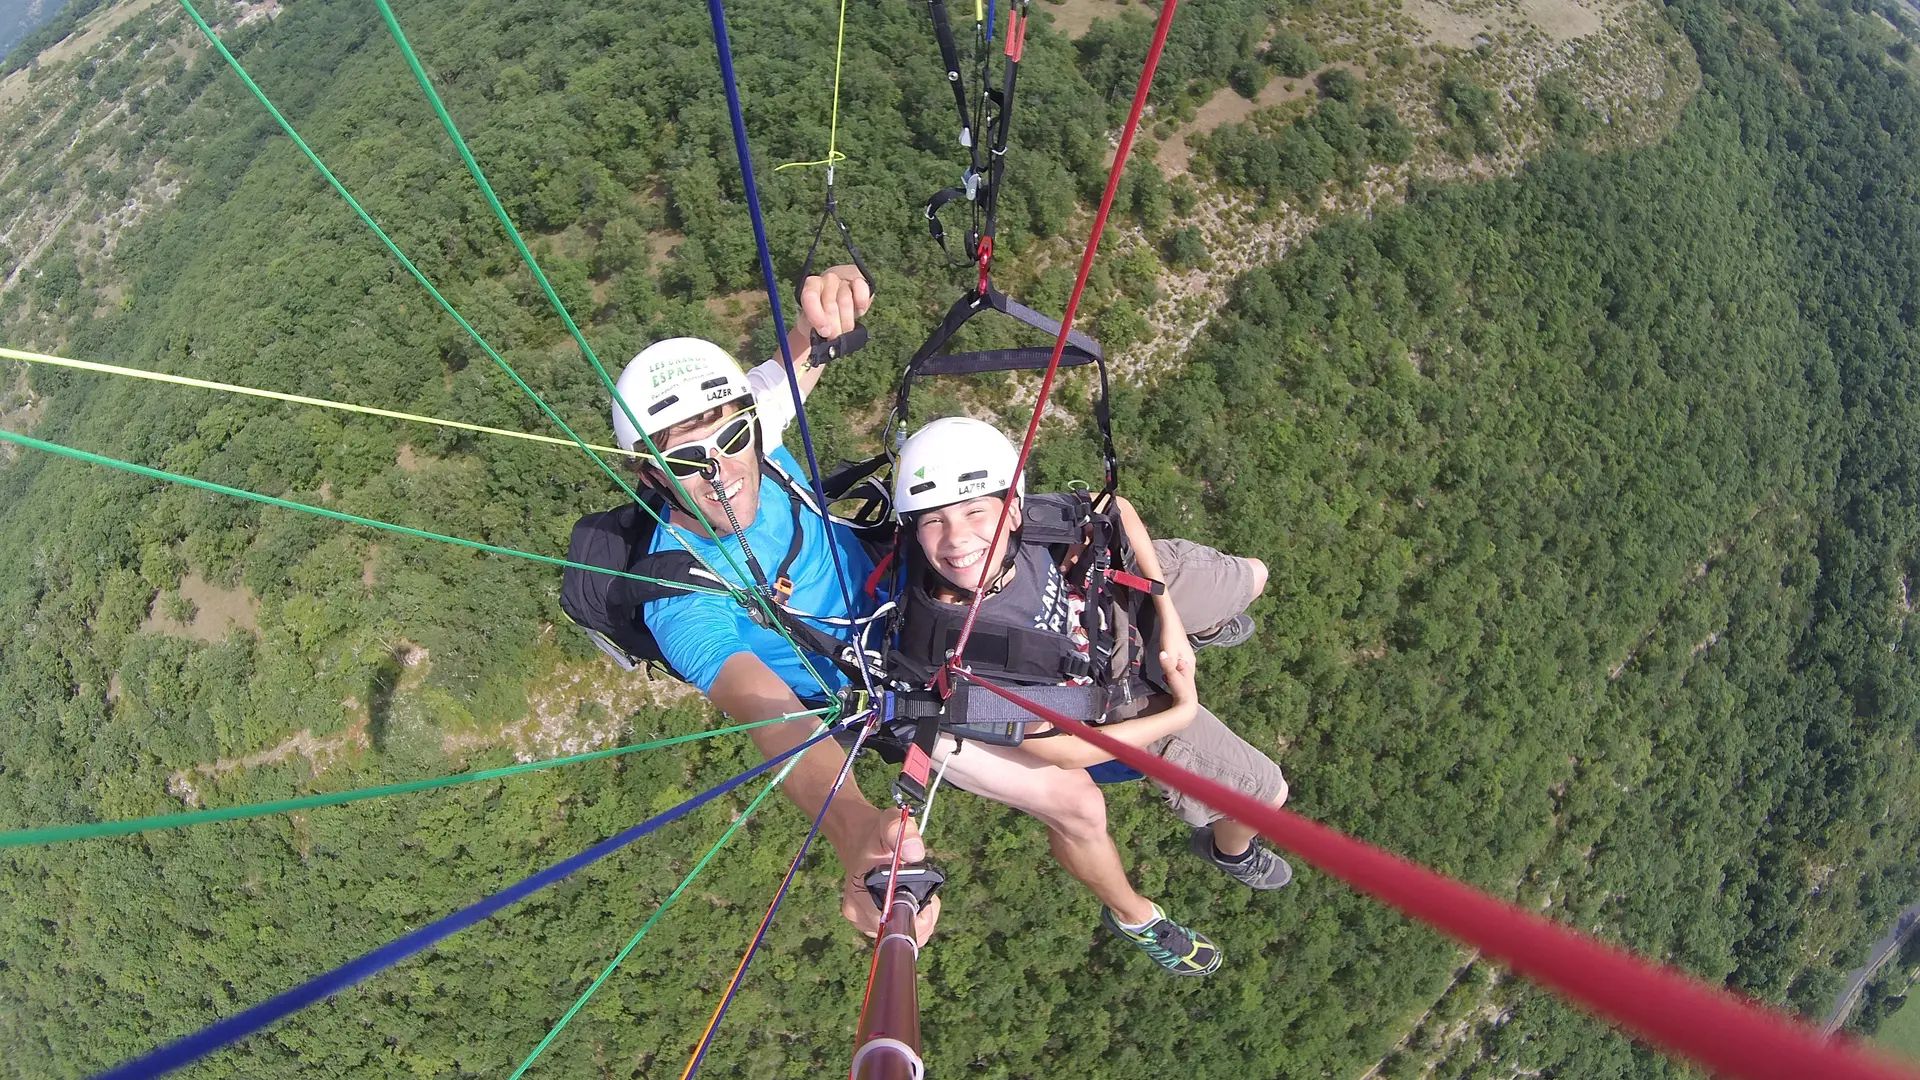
(1213, 750)
(1208, 587)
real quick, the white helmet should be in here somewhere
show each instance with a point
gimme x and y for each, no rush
(675, 380)
(950, 461)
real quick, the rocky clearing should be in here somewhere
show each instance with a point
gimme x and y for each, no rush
(1609, 51)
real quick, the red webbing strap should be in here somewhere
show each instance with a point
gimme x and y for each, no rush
(1718, 1030)
(1073, 301)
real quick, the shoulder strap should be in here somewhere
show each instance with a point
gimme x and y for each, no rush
(1053, 520)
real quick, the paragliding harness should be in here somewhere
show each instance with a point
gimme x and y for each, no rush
(923, 702)
(1088, 545)
(612, 609)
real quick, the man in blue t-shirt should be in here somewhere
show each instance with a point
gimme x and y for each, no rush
(719, 430)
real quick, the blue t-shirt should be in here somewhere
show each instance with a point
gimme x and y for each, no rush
(699, 634)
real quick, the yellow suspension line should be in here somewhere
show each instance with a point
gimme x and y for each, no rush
(834, 156)
(297, 399)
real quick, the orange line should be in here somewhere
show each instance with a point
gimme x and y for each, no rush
(731, 986)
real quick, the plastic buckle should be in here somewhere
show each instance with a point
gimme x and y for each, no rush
(783, 589)
(905, 798)
(853, 701)
(918, 880)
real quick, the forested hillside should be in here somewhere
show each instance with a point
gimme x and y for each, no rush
(1591, 496)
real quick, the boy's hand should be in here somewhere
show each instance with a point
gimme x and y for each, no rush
(1179, 672)
(1175, 649)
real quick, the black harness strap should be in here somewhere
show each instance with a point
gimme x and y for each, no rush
(929, 360)
(825, 350)
(997, 163)
(1080, 351)
(942, 198)
(980, 184)
(988, 718)
(950, 57)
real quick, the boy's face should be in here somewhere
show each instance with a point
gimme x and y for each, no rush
(955, 538)
(738, 473)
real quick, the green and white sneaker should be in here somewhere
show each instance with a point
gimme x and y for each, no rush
(1175, 948)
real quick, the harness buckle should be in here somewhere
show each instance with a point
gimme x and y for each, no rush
(853, 700)
(783, 588)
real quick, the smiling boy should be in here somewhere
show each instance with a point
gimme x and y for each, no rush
(1035, 627)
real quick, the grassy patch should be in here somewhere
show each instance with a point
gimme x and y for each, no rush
(1900, 1035)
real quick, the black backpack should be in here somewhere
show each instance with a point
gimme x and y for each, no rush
(609, 608)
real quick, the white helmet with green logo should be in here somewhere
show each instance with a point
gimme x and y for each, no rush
(950, 461)
(672, 381)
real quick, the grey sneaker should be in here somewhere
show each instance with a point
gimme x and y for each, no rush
(1178, 950)
(1234, 631)
(1265, 870)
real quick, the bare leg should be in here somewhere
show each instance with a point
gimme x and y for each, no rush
(1071, 806)
(1232, 838)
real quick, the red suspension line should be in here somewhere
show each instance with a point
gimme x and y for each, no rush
(1073, 301)
(1727, 1034)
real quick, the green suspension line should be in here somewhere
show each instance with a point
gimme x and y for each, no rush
(393, 248)
(351, 519)
(553, 298)
(58, 834)
(621, 956)
(746, 597)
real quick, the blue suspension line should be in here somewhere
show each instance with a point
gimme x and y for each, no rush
(240, 1025)
(739, 976)
(725, 48)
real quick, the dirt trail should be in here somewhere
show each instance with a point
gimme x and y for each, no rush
(558, 720)
(576, 708)
(48, 234)
(92, 31)
(320, 752)
(1462, 964)
(1715, 553)
(1074, 18)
